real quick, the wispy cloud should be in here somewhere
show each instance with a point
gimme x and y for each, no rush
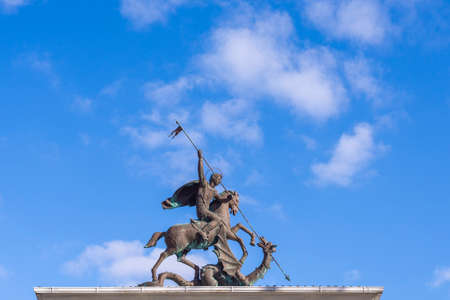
(352, 275)
(112, 89)
(233, 119)
(245, 199)
(221, 164)
(125, 262)
(441, 276)
(256, 57)
(310, 143)
(254, 178)
(157, 153)
(276, 209)
(41, 62)
(142, 13)
(83, 105)
(360, 75)
(11, 6)
(171, 167)
(364, 21)
(169, 93)
(146, 137)
(351, 155)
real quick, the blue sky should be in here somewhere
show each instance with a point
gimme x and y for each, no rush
(330, 118)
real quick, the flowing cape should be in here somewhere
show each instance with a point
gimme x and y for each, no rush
(184, 196)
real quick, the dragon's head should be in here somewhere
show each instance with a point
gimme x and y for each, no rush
(267, 247)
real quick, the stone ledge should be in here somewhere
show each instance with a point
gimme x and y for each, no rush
(207, 292)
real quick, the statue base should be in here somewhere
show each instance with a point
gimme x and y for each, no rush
(210, 292)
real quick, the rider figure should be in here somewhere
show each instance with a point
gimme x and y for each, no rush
(206, 192)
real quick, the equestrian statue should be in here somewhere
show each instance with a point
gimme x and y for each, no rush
(212, 228)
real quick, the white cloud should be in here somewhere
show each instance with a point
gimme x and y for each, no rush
(441, 276)
(360, 76)
(158, 135)
(40, 62)
(232, 119)
(112, 89)
(10, 6)
(182, 164)
(350, 156)
(168, 93)
(3, 272)
(257, 58)
(154, 117)
(310, 143)
(277, 210)
(352, 275)
(254, 178)
(219, 163)
(126, 262)
(390, 120)
(245, 199)
(175, 158)
(145, 12)
(365, 21)
(146, 137)
(83, 105)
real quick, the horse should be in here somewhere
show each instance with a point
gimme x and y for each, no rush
(181, 238)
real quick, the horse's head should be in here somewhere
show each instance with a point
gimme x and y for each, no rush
(234, 202)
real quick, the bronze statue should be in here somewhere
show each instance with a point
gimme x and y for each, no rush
(211, 229)
(213, 275)
(180, 239)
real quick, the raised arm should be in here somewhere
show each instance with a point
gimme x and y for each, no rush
(201, 172)
(224, 197)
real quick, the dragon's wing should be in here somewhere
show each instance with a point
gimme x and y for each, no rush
(226, 257)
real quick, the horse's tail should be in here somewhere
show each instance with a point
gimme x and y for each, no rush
(155, 238)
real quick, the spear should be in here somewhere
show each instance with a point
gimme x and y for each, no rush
(173, 134)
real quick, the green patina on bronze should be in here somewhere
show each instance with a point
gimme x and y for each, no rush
(183, 196)
(195, 244)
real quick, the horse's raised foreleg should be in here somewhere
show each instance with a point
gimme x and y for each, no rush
(196, 268)
(161, 258)
(233, 236)
(238, 226)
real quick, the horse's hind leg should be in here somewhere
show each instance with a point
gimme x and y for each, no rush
(155, 238)
(196, 268)
(161, 258)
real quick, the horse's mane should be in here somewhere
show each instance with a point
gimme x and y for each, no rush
(215, 203)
